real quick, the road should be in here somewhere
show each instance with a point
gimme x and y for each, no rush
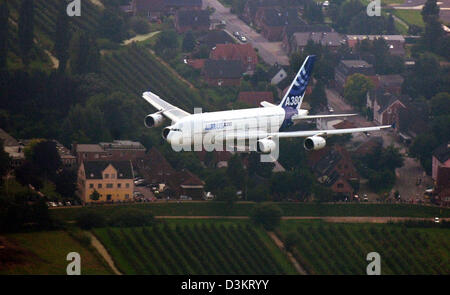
(270, 52)
(407, 176)
(338, 219)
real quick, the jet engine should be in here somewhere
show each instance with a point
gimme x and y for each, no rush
(153, 120)
(314, 143)
(265, 146)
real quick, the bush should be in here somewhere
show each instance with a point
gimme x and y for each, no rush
(267, 215)
(89, 219)
(140, 25)
(131, 217)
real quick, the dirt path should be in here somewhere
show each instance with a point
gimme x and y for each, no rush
(104, 253)
(140, 38)
(291, 257)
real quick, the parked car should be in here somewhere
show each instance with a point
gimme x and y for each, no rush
(209, 196)
(184, 197)
(243, 39)
(236, 34)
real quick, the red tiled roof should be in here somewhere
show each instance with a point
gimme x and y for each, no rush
(197, 63)
(344, 124)
(234, 52)
(255, 97)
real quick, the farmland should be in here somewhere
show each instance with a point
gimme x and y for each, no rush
(324, 248)
(244, 209)
(45, 253)
(194, 248)
(135, 69)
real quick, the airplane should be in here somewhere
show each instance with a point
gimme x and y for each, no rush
(248, 124)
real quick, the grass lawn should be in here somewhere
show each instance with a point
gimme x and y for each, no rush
(45, 253)
(330, 248)
(412, 17)
(245, 208)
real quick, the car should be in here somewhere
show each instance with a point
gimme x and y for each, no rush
(330, 109)
(243, 39)
(184, 197)
(365, 199)
(236, 34)
(60, 204)
(68, 203)
(437, 220)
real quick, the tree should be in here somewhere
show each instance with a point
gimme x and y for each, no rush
(258, 193)
(26, 29)
(95, 195)
(236, 172)
(84, 54)
(4, 32)
(440, 104)
(422, 148)
(267, 215)
(188, 42)
(318, 97)
(227, 194)
(62, 37)
(111, 25)
(356, 88)
(140, 25)
(66, 183)
(430, 11)
(46, 159)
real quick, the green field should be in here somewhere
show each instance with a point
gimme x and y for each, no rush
(325, 248)
(412, 17)
(45, 253)
(245, 208)
(136, 70)
(181, 247)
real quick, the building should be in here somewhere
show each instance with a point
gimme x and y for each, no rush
(391, 83)
(384, 105)
(173, 5)
(67, 159)
(254, 98)
(192, 20)
(347, 68)
(185, 183)
(412, 121)
(13, 148)
(395, 43)
(440, 159)
(252, 6)
(152, 9)
(272, 21)
(289, 31)
(113, 180)
(334, 168)
(222, 72)
(118, 150)
(332, 40)
(276, 74)
(214, 37)
(241, 52)
(154, 168)
(442, 186)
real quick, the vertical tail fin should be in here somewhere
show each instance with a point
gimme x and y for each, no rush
(294, 96)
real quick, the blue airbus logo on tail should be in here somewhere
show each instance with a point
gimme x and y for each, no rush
(294, 96)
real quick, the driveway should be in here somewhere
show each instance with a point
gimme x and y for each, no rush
(270, 52)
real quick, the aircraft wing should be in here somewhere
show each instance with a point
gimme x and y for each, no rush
(308, 133)
(307, 117)
(172, 112)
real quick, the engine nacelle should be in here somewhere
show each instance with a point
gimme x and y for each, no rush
(314, 143)
(153, 120)
(265, 146)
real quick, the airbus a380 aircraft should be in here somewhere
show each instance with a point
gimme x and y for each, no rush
(263, 125)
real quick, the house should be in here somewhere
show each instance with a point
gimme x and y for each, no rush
(214, 37)
(396, 43)
(440, 158)
(218, 159)
(113, 180)
(276, 74)
(384, 106)
(197, 63)
(67, 159)
(241, 52)
(153, 167)
(347, 68)
(289, 30)
(254, 98)
(185, 183)
(442, 186)
(192, 20)
(369, 146)
(222, 72)
(173, 5)
(334, 168)
(391, 83)
(118, 150)
(272, 21)
(13, 148)
(252, 6)
(412, 121)
(332, 40)
(152, 9)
